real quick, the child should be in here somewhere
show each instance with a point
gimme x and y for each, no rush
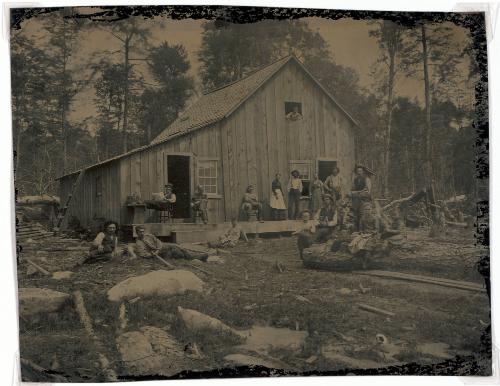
(231, 237)
(305, 231)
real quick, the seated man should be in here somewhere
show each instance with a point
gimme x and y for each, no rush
(305, 232)
(148, 246)
(199, 204)
(231, 237)
(105, 245)
(327, 219)
(251, 203)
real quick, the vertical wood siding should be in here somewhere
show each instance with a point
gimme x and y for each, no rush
(251, 145)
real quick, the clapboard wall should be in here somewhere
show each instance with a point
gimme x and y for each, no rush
(260, 141)
(251, 145)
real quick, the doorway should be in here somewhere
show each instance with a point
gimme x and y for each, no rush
(325, 168)
(179, 175)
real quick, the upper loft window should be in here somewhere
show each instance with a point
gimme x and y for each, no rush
(293, 111)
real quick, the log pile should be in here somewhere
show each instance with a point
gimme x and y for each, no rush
(32, 237)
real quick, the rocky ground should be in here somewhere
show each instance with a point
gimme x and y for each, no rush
(245, 309)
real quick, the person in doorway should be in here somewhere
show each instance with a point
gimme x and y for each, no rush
(333, 184)
(105, 245)
(361, 199)
(305, 232)
(277, 201)
(199, 204)
(295, 114)
(317, 190)
(294, 193)
(231, 237)
(148, 245)
(251, 203)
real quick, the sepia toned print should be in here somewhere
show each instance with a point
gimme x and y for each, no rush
(222, 192)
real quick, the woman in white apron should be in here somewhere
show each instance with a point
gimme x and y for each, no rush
(277, 201)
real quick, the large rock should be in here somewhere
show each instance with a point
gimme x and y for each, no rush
(150, 351)
(158, 283)
(265, 339)
(249, 360)
(33, 301)
(196, 321)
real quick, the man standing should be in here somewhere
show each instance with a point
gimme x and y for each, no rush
(361, 199)
(294, 192)
(333, 184)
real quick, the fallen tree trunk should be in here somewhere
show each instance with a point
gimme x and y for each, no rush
(413, 198)
(109, 374)
(469, 286)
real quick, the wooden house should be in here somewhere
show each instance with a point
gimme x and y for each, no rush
(231, 137)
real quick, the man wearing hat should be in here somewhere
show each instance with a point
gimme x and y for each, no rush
(294, 192)
(148, 245)
(327, 219)
(169, 195)
(361, 195)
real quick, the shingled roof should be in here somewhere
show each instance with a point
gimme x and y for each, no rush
(220, 102)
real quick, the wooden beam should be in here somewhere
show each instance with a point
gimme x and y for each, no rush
(469, 286)
(375, 310)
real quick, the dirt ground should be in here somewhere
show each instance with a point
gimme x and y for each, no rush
(431, 324)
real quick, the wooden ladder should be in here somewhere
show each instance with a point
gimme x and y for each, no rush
(64, 210)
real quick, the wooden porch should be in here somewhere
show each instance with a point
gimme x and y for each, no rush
(190, 232)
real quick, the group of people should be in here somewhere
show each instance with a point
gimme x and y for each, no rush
(106, 247)
(330, 216)
(326, 199)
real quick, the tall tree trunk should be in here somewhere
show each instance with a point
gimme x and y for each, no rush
(390, 105)
(428, 127)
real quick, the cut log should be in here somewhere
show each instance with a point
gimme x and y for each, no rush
(109, 373)
(469, 286)
(375, 310)
(44, 271)
(457, 224)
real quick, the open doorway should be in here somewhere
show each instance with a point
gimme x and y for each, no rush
(325, 168)
(179, 175)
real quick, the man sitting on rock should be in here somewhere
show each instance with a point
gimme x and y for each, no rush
(148, 245)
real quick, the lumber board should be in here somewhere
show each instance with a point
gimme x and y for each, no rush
(375, 310)
(425, 279)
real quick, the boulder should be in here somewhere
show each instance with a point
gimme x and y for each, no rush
(265, 339)
(159, 283)
(33, 301)
(150, 351)
(215, 259)
(248, 360)
(196, 321)
(62, 275)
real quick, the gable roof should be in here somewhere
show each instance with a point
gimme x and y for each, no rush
(218, 104)
(221, 102)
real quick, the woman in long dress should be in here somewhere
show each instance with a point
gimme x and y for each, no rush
(317, 190)
(277, 201)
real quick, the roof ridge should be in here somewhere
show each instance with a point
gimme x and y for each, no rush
(247, 75)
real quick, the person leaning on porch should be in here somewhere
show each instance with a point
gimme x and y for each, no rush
(294, 192)
(199, 204)
(231, 237)
(277, 202)
(251, 202)
(317, 190)
(148, 245)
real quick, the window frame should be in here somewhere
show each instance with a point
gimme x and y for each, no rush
(291, 165)
(200, 161)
